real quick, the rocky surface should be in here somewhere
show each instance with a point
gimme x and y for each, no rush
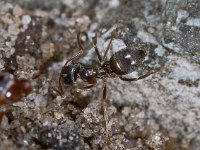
(158, 112)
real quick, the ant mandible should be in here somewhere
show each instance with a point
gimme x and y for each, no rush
(121, 63)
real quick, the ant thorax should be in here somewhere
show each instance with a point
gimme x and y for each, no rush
(87, 73)
(105, 71)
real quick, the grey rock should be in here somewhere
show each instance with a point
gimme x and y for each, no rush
(182, 28)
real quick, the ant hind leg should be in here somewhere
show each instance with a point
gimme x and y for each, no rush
(113, 35)
(105, 115)
(107, 49)
(138, 78)
(96, 49)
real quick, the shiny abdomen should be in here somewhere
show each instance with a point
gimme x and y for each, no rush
(126, 61)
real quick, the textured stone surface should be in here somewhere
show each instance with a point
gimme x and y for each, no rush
(182, 28)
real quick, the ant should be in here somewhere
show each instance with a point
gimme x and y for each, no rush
(121, 63)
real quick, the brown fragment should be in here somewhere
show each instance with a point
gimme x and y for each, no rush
(12, 89)
(29, 41)
(1, 115)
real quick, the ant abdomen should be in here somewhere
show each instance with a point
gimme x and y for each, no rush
(126, 61)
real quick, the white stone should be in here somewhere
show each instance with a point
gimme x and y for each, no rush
(193, 22)
(114, 3)
(67, 2)
(160, 51)
(147, 37)
(182, 14)
(26, 19)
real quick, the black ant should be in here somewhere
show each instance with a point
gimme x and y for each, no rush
(121, 63)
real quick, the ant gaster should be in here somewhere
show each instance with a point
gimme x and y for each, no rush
(121, 63)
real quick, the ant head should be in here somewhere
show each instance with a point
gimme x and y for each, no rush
(69, 73)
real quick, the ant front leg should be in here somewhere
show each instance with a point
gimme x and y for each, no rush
(77, 92)
(138, 78)
(87, 85)
(105, 115)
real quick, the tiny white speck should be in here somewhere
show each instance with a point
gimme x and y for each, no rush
(71, 138)
(118, 65)
(128, 56)
(25, 142)
(157, 138)
(133, 62)
(8, 94)
(28, 37)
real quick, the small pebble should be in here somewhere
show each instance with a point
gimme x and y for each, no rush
(17, 11)
(26, 19)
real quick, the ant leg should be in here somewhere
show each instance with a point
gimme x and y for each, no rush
(70, 60)
(109, 45)
(55, 89)
(87, 86)
(60, 86)
(96, 49)
(84, 87)
(58, 91)
(106, 51)
(138, 78)
(105, 116)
